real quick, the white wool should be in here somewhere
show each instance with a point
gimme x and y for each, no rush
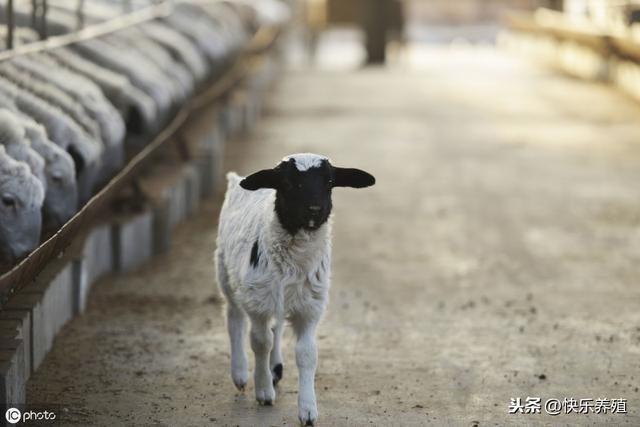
(16, 177)
(306, 161)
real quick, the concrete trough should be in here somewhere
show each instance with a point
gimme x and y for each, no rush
(132, 240)
(12, 380)
(166, 191)
(192, 183)
(208, 156)
(53, 291)
(231, 116)
(16, 325)
(30, 306)
(11, 332)
(94, 261)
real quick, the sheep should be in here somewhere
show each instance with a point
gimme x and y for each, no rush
(13, 138)
(179, 46)
(176, 74)
(65, 132)
(142, 73)
(61, 189)
(82, 91)
(21, 197)
(61, 194)
(52, 95)
(208, 34)
(134, 104)
(61, 197)
(273, 263)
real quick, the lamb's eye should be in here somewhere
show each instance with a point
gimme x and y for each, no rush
(8, 200)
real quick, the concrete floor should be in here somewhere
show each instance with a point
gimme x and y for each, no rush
(497, 257)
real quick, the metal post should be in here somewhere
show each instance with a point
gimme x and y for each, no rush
(10, 24)
(34, 14)
(44, 19)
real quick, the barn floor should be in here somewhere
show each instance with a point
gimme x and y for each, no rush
(496, 258)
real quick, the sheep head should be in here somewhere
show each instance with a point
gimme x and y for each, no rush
(303, 184)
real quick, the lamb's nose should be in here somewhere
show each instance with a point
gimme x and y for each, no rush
(314, 208)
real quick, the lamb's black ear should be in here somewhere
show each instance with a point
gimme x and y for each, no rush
(266, 178)
(349, 177)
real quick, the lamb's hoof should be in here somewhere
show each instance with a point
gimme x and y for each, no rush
(266, 396)
(277, 373)
(307, 422)
(240, 378)
(307, 414)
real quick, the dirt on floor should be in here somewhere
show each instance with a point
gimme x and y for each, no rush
(496, 258)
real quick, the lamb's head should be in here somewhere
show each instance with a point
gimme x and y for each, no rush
(303, 184)
(21, 197)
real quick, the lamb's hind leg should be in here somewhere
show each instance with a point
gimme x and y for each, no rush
(261, 342)
(236, 328)
(275, 358)
(236, 320)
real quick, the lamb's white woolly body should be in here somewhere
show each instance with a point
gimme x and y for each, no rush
(292, 275)
(270, 274)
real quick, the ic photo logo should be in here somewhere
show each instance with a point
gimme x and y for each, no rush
(44, 417)
(13, 415)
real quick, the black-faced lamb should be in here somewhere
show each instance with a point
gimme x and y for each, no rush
(273, 263)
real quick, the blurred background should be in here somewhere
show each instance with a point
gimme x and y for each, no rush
(496, 257)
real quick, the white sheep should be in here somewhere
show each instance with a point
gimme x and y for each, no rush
(16, 144)
(64, 131)
(142, 73)
(273, 263)
(61, 195)
(136, 106)
(89, 100)
(21, 197)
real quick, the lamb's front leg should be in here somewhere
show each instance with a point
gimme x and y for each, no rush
(306, 360)
(261, 342)
(276, 352)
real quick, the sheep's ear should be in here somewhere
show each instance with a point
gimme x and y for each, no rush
(349, 177)
(267, 178)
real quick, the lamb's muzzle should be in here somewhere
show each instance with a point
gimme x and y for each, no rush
(273, 261)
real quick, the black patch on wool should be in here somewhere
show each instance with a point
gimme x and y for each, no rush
(255, 255)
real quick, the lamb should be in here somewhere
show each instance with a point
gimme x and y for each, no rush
(273, 263)
(21, 197)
